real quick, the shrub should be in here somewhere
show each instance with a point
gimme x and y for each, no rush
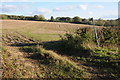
(108, 36)
(76, 40)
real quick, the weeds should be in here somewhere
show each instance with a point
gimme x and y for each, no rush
(104, 58)
(57, 64)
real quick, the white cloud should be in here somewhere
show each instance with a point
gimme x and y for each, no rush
(8, 8)
(90, 13)
(83, 7)
(100, 6)
(12, 8)
(42, 11)
(71, 7)
(56, 9)
(65, 8)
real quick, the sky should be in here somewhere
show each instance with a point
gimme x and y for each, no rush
(59, 0)
(104, 10)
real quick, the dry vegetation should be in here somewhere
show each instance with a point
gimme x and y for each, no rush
(25, 53)
(44, 31)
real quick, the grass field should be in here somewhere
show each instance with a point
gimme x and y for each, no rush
(29, 51)
(44, 31)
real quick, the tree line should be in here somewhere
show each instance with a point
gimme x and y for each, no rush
(35, 17)
(76, 19)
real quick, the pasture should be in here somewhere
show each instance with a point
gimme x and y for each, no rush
(31, 49)
(44, 31)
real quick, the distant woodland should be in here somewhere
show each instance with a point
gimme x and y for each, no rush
(76, 19)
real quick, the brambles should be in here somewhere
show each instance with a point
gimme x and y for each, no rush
(78, 38)
(105, 58)
(107, 36)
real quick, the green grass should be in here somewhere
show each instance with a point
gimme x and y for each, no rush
(42, 37)
(12, 67)
(51, 64)
(108, 61)
(58, 66)
(41, 31)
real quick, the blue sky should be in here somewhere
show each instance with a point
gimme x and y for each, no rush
(105, 10)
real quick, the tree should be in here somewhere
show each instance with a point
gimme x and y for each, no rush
(52, 19)
(3, 17)
(100, 22)
(36, 17)
(42, 18)
(85, 21)
(39, 17)
(22, 17)
(57, 19)
(68, 19)
(77, 19)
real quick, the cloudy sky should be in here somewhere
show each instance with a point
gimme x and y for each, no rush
(105, 10)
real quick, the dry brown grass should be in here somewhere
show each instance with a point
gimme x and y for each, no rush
(39, 30)
(6, 24)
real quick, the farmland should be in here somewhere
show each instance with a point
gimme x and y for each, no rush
(32, 49)
(44, 31)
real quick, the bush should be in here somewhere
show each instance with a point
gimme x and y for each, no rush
(75, 41)
(108, 36)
